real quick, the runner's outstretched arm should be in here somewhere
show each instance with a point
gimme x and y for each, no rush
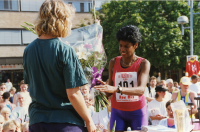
(142, 81)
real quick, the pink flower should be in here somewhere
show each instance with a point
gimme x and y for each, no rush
(98, 21)
(88, 46)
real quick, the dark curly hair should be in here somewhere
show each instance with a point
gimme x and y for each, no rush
(129, 33)
(6, 95)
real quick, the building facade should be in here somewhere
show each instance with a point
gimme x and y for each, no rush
(14, 39)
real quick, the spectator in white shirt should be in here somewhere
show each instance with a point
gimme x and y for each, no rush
(8, 85)
(156, 108)
(150, 91)
(23, 88)
(194, 86)
(20, 113)
(170, 86)
(159, 77)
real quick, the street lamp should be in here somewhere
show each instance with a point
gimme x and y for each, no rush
(183, 20)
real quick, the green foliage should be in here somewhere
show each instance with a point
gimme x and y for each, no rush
(162, 43)
(113, 129)
(196, 30)
(30, 28)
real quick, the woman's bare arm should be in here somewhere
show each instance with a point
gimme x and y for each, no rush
(77, 101)
(110, 70)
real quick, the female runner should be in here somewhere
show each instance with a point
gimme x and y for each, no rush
(128, 76)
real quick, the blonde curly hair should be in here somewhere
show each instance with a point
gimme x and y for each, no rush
(54, 18)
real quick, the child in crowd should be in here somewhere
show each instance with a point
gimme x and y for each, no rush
(11, 126)
(6, 102)
(1, 122)
(85, 89)
(23, 88)
(25, 127)
(168, 122)
(5, 112)
(12, 92)
(87, 98)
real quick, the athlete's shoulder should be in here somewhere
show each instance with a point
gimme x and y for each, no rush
(112, 61)
(192, 93)
(174, 95)
(145, 63)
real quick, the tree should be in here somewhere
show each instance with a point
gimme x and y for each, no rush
(196, 30)
(162, 42)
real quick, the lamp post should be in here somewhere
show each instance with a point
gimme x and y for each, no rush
(183, 20)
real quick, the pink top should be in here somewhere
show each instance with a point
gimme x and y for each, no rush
(127, 106)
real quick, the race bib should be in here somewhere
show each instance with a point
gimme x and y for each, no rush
(126, 79)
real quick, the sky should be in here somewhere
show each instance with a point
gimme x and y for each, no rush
(99, 3)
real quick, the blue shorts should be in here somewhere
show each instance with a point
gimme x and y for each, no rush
(56, 127)
(134, 119)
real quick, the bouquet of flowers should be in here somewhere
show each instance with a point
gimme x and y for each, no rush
(87, 42)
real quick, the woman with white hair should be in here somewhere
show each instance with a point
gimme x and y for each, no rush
(5, 112)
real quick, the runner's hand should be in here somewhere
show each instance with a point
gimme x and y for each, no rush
(106, 88)
(160, 117)
(91, 127)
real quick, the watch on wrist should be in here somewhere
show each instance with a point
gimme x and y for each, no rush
(119, 89)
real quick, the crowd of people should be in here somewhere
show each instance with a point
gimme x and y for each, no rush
(14, 108)
(160, 94)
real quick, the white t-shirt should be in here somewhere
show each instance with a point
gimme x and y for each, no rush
(168, 96)
(20, 114)
(91, 110)
(8, 86)
(198, 83)
(155, 108)
(147, 94)
(163, 122)
(195, 87)
(158, 79)
(101, 117)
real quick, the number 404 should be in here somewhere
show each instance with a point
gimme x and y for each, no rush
(125, 84)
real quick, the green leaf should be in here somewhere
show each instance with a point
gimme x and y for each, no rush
(113, 129)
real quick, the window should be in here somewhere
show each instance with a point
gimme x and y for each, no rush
(10, 37)
(82, 7)
(28, 36)
(11, 5)
(31, 5)
(70, 3)
(89, 6)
